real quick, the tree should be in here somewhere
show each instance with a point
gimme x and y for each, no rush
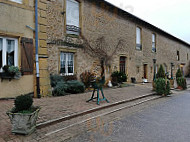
(101, 50)
(179, 74)
(161, 73)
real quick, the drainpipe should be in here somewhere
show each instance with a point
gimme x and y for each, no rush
(36, 45)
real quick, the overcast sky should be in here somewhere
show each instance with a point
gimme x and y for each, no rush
(172, 16)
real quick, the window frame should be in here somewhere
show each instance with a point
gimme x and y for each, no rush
(139, 46)
(66, 65)
(154, 42)
(4, 51)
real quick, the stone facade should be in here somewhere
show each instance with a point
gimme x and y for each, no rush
(103, 20)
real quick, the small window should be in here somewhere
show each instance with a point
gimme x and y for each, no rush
(72, 17)
(178, 57)
(138, 39)
(8, 52)
(67, 63)
(138, 69)
(187, 56)
(153, 43)
(17, 1)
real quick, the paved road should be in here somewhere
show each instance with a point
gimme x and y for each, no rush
(164, 120)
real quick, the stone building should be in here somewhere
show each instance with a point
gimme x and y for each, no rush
(128, 43)
(17, 47)
(77, 36)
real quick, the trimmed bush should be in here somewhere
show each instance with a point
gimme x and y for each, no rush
(23, 102)
(179, 73)
(60, 88)
(55, 79)
(86, 77)
(75, 87)
(161, 72)
(181, 81)
(119, 77)
(162, 86)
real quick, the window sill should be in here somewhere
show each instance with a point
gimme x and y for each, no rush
(72, 35)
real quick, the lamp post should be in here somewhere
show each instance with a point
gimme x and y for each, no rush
(172, 64)
(154, 62)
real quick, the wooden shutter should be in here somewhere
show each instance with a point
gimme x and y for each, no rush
(27, 61)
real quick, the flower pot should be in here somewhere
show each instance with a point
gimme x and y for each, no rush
(23, 123)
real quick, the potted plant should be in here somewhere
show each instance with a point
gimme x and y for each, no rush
(10, 72)
(24, 115)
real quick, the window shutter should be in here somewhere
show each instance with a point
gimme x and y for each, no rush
(27, 61)
(138, 35)
(72, 13)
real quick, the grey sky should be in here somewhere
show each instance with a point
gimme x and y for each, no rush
(173, 16)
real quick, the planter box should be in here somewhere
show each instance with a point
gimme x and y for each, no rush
(23, 123)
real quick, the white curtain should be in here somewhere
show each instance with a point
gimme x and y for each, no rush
(153, 37)
(72, 13)
(138, 35)
(63, 59)
(1, 44)
(10, 46)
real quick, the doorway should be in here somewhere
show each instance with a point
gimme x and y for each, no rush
(145, 71)
(122, 64)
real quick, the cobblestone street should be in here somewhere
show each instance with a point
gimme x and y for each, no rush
(55, 107)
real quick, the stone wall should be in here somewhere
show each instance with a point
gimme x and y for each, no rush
(98, 22)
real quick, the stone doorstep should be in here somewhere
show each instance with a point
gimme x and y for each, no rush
(68, 117)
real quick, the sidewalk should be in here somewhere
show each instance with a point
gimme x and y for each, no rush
(56, 107)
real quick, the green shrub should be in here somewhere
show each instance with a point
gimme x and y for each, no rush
(13, 70)
(161, 72)
(86, 77)
(23, 103)
(60, 88)
(75, 87)
(181, 81)
(162, 86)
(55, 79)
(119, 77)
(72, 87)
(179, 74)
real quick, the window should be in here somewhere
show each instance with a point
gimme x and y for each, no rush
(8, 52)
(72, 17)
(153, 43)
(122, 64)
(187, 56)
(17, 1)
(138, 39)
(67, 63)
(138, 69)
(178, 57)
